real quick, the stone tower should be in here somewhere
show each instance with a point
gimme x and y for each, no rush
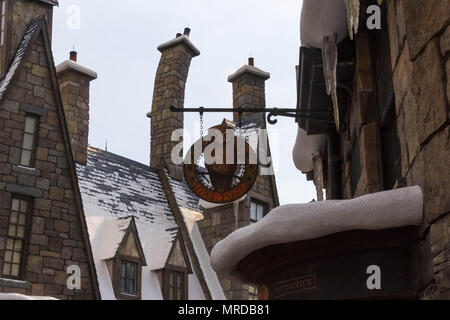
(15, 17)
(170, 81)
(248, 92)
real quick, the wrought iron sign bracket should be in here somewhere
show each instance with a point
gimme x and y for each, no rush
(322, 115)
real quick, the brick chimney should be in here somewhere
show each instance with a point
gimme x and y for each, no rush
(170, 81)
(74, 82)
(248, 87)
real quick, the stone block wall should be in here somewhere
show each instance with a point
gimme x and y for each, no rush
(55, 239)
(419, 36)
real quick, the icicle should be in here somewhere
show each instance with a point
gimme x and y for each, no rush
(330, 57)
(318, 176)
(353, 16)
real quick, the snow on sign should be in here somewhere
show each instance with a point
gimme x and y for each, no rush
(229, 167)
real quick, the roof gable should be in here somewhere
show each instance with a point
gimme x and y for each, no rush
(38, 30)
(178, 256)
(131, 244)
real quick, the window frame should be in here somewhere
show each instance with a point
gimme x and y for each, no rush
(3, 9)
(118, 277)
(28, 224)
(260, 203)
(171, 269)
(34, 145)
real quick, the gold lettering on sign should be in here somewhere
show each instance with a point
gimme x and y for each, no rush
(295, 285)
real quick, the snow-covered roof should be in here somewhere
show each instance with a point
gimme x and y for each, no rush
(298, 222)
(17, 296)
(113, 189)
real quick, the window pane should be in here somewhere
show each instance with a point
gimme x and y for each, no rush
(253, 214)
(28, 140)
(8, 256)
(26, 158)
(22, 219)
(10, 244)
(6, 268)
(16, 258)
(260, 212)
(132, 270)
(18, 245)
(15, 204)
(124, 269)
(12, 231)
(30, 125)
(15, 270)
(131, 286)
(23, 206)
(14, 218)
(171, 279)
(20, 232)
(123, 285)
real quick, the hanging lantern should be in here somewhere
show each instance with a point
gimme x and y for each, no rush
(215, 177)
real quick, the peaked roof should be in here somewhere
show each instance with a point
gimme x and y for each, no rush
(28, 38)
(35, 28)
(114, 188)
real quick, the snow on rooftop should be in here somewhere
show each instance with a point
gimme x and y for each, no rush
(298, 222)
(114, 188)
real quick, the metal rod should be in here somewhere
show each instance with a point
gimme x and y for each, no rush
(250, 110)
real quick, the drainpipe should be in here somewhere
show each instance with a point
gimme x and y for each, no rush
(334, 165)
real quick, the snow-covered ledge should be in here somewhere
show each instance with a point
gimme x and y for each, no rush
(297, 222)
(306, 148)
(17, 296)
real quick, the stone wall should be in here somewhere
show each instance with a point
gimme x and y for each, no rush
(55, 237)
(419, 36)
(420, 49)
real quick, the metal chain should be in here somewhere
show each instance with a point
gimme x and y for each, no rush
(201, 124)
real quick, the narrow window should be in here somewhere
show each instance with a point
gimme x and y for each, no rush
(257, 211)
(252, 293)
(2, 22)
(128, 278)
(29, 141)
(16, 237)
(176, 285)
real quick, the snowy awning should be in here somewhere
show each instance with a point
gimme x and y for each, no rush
(298, 222)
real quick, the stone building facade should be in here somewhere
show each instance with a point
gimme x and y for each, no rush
(398, 126)
(42, 225)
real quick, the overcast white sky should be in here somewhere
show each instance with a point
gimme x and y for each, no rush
(118, 40)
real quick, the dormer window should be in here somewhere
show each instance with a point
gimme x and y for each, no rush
(176, 272)
(128, 277)
(257, 211)
(126, 258)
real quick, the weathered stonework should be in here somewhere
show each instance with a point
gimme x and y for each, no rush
(54, 244)
(170, 83)
(74, 87)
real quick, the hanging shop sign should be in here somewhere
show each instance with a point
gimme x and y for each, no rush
(221, 167)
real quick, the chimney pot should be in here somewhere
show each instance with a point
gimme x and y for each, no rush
(187, 32)
(251, 61)
(73, 56)
(178, 35)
